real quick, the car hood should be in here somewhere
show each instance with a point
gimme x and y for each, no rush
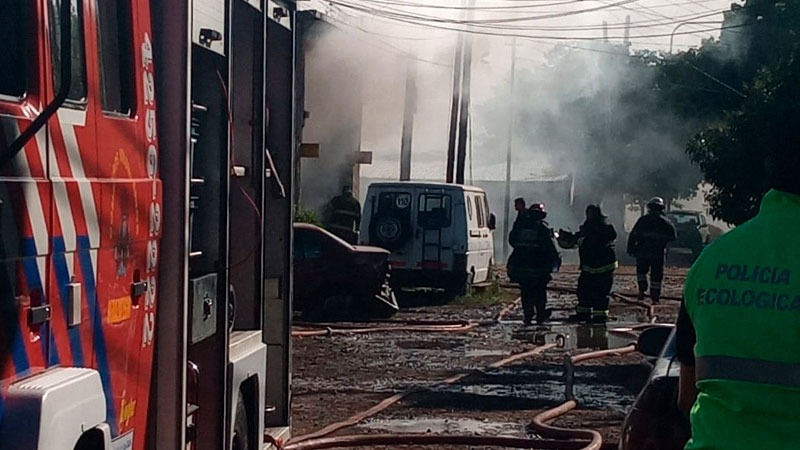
(370, 249)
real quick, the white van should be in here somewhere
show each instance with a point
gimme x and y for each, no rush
(440, 235)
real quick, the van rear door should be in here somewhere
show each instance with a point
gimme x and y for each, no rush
(391, 216)
(434, 233)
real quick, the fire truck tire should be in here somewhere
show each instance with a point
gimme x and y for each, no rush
(91, 440)
(240, 428)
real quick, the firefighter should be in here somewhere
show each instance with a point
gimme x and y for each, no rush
(533, 259)
(598, 260)
(647, 243)
(737, 334)
(344, 215)
(520, 206)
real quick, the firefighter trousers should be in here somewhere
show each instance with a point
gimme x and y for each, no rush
(654, 264)
(594, 290)
(534, 297)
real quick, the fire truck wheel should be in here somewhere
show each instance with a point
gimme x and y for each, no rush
(240, 429)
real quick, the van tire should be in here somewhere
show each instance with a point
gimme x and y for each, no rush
(464, 287)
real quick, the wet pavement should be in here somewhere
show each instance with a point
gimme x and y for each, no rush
(334, 378)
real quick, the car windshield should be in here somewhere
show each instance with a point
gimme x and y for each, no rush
(683, 219)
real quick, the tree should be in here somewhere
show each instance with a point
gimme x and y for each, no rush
(755, 71)
(734, 154)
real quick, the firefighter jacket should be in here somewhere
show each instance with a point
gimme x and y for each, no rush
(743, 298)
(650, 236)
(595, 242)
(534, 254)
(344, 213)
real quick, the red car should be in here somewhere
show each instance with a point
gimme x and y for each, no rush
(654, 421)
(334, 280)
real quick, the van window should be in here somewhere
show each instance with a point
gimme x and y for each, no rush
(479, 212)
(486, 210)
(469, 208)
(14, 34)
(115, 32)
(77, 91)
(434, 211)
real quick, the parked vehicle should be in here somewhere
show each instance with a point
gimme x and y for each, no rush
(692, 229)
(654, 421)
(439, 235)
(336, 280)
(145, 260)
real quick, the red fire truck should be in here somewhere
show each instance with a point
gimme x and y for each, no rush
(146, 172)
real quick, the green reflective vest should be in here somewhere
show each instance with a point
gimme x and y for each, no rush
(743, 297)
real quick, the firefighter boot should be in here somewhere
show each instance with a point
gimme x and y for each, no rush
(582, 315)
(655, 292)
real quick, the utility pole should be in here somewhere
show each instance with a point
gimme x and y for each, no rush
(463, 116)
(409, 109)
(509, 141)
(454, 108)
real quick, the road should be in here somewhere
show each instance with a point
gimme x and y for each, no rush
(335, 377)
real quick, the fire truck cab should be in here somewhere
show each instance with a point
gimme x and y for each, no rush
(146, 179)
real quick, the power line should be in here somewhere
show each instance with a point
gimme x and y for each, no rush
(409, 16)
(476, 30)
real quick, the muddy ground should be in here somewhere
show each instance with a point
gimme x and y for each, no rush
(337, 377)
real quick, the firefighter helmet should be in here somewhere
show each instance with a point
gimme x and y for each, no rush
(656, 203)
(538, 210)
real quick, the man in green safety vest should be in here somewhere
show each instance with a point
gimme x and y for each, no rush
(738, 331)
(344, 215)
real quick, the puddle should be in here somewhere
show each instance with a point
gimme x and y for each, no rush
(573, 336)
(422, 425)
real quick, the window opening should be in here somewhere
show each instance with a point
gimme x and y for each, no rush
(77, 91)
(115, 33)
(479, 212)
(14, 34)
(434, 211)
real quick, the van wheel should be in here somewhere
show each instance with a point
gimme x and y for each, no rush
(465, 287)
(240, 428)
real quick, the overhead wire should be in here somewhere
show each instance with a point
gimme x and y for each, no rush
(477, 30)
(411, 16)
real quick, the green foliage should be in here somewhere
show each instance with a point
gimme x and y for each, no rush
(762, 62)
(303, 215)
(487, 296)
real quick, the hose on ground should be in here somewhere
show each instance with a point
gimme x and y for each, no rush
(331, 330)
(539, 423)
(312, 329)
(386, 403)
(432, 440)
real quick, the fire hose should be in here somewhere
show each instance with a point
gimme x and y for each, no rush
(539, 423)
(386, 403)
(551, 437)
(308, 329)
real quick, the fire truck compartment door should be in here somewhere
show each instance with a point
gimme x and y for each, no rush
(52, 410)
(204, 307)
